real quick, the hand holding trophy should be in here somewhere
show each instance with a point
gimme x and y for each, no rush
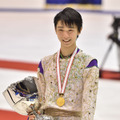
(22, 96)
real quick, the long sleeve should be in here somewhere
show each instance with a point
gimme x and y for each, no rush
(90, 80)
(40, 83)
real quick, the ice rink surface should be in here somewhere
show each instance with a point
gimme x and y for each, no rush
(29, 36)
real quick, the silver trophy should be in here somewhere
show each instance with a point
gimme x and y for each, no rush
(22, 96)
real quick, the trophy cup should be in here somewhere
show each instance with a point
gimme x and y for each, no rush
(22, 96)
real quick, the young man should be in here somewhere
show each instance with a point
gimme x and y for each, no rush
(68, 80)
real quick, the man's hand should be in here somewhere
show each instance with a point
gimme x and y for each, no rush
(31, 117)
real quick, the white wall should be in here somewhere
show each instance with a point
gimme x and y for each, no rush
(111, 5)
(22, 3)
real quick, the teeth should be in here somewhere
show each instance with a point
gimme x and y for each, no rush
(66, 40)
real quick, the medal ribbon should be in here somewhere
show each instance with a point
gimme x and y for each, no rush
(61, 89)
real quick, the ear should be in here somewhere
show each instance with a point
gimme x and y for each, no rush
(79, 32)
(80, 29)
(55, 30)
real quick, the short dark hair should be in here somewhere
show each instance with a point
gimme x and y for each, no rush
(69, 16)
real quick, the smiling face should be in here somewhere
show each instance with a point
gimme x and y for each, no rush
(67, 34)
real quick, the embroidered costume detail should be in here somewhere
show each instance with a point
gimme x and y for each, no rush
(78, 50)
(40, 67)
(92, 63)
(81, 89)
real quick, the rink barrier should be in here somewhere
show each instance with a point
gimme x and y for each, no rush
(47, 9)
(29, 66)
(18, 65)
(11, 115)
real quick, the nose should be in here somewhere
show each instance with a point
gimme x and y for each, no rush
(65, 35)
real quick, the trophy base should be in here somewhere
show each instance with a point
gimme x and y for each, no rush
(43, 117)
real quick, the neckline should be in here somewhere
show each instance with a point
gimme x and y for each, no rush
(65, 57)
(68, 57)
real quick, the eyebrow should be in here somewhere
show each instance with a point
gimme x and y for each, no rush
(63, 27)
(60, 27)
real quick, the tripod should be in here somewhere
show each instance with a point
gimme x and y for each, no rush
(107, 53)
(119, 56)
(115, 39)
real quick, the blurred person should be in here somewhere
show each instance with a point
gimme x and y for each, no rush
(68, 80)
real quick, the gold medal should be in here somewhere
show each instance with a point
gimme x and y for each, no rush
(61, 88)
(60, 101)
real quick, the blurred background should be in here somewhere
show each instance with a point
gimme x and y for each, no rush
(27, 34)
